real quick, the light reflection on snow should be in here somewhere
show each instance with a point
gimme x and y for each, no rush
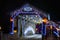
(34, 36)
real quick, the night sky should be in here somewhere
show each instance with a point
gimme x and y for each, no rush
(51, 7)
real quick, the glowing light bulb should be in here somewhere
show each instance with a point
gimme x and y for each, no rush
(0, 27)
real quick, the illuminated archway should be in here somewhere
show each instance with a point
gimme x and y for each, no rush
(29, 29)
(25, 9)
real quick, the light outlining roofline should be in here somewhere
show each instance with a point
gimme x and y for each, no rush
(18, 11)
(56, 33)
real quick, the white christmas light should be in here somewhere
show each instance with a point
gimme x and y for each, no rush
(29, 29)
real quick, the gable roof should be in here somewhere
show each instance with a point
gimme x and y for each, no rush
(27, 7)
